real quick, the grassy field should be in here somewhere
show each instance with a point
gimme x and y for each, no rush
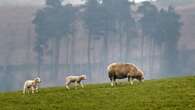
(165, 94)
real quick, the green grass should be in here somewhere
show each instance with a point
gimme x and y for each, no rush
(165, 94)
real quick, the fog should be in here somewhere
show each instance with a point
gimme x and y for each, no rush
(57, 40)
(32, 2)
(42, 2)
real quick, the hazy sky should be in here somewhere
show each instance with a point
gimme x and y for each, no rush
(37, 2)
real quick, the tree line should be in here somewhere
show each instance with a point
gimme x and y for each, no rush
(159, 29)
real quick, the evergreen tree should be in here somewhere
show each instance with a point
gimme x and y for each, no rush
(53, 23)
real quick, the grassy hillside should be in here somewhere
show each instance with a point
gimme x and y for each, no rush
(165, 94)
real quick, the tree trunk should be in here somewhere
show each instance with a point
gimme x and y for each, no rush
(67, 54)
(152, 56)
(161, 51)
(128, 40)
(28, 46)
(72, 54)
(120, 42)
(89, 57)
(8, 78)
(142, 50)
(170, 58)
(105, 57)
(56, 53)
(39, 63)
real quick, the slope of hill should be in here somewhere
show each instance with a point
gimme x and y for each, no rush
(165, 94)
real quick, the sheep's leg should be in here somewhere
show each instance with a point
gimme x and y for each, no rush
(115, 81)
(75, 84)
(23, 91)
(66, 84)
(81, 84)
(112, 81)
(67, 87)
(28, 90)
(130, 80)
(33, 89)
(37, 88)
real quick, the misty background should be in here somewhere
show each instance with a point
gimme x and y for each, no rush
(58, 38)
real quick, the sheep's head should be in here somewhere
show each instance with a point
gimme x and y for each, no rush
(38, 80)
(84, 77)
(142, 76)
(141, 73)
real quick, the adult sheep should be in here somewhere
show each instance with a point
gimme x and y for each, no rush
(124, 70)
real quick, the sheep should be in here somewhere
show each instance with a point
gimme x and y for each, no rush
(74, 79)
(31, 85)
(124, 70)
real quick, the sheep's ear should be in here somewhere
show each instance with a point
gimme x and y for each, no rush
(35, 74)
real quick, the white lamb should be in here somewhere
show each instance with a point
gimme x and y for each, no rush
(31, 85)
(75, 79)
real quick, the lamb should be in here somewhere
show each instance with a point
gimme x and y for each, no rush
(31, 85)
(74, 79)
(124, 70)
